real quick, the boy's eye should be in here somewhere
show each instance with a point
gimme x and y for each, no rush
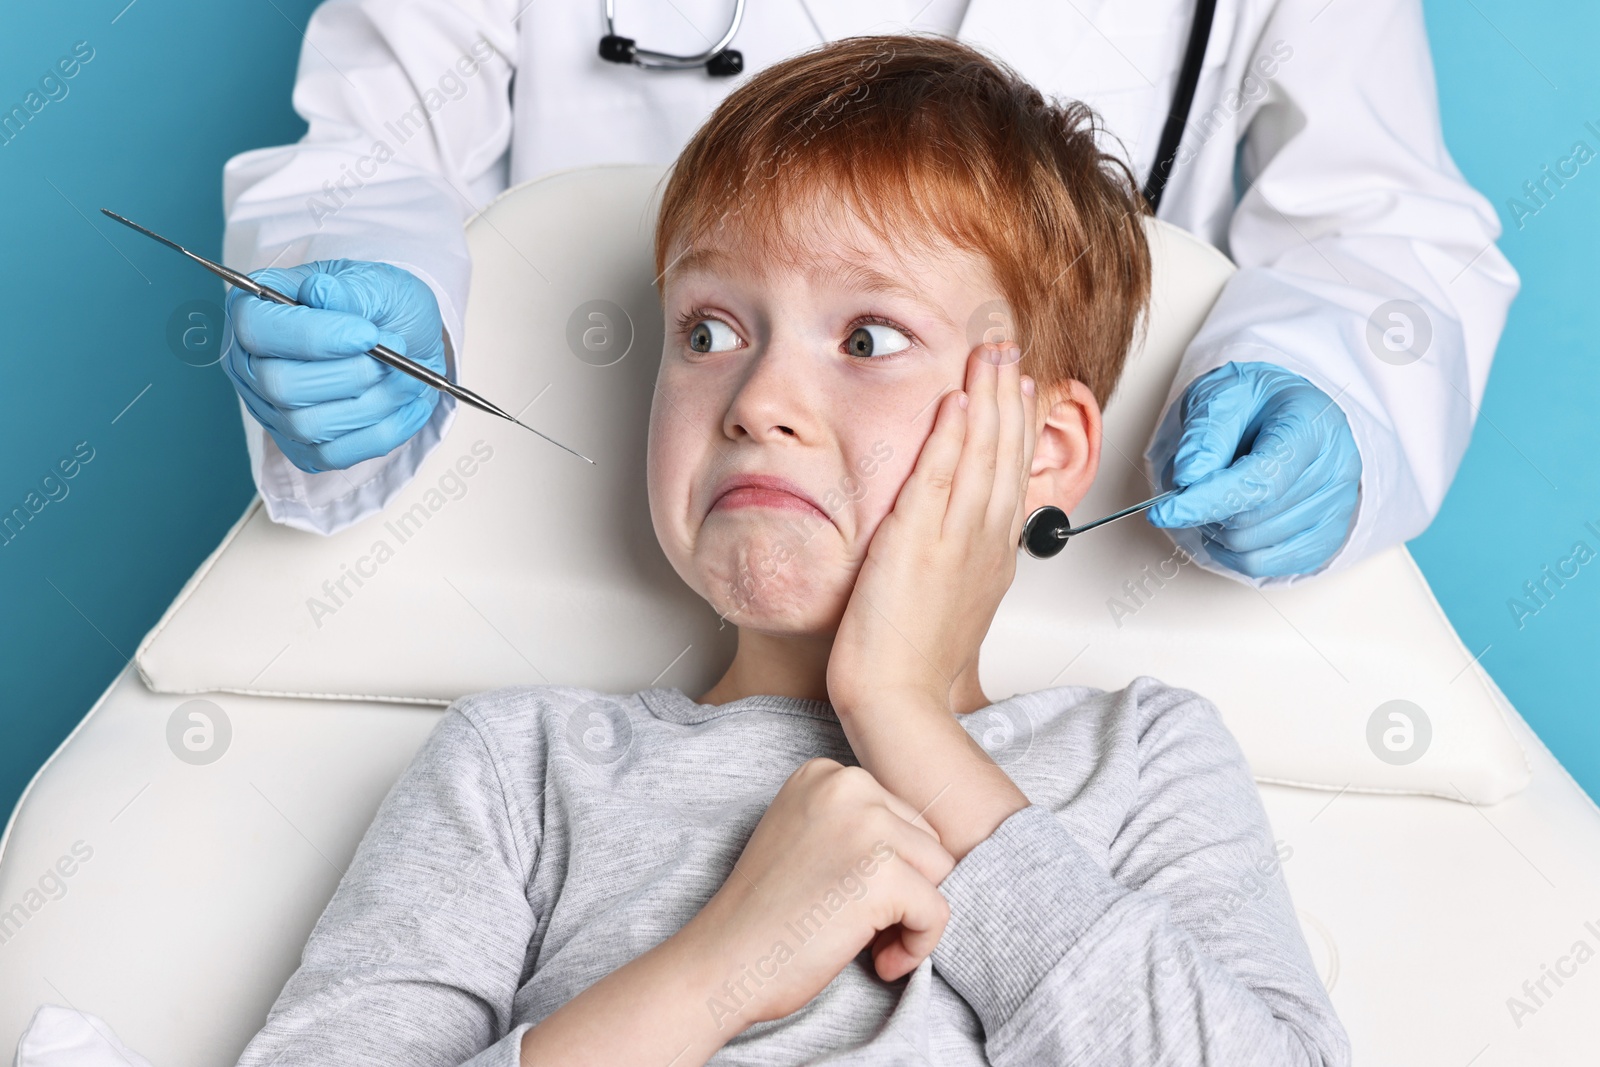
(863, 343)
(705, 335)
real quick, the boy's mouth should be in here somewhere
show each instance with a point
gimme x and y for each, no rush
(762, 490)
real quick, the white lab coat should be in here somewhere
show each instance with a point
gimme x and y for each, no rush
(1350, 196)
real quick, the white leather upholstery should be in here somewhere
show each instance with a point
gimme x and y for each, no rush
(538, 567)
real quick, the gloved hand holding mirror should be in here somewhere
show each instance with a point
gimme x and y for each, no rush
(1263, 461)
(1267, 468)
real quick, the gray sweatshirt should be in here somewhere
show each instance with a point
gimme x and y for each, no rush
(544, 836)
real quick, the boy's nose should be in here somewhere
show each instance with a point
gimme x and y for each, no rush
(771, 397)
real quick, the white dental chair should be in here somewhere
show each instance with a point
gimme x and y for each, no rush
(164, 868)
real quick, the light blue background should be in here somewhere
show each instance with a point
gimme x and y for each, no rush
(178, 86)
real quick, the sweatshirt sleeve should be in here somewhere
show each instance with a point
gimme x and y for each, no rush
(418, 955)
(409, 119)
(1181, 953)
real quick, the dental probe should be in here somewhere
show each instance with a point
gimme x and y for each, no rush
(1047, 529)
(382, 353)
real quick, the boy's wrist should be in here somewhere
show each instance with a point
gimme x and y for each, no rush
(651, 1008)
(708, 960)
(886, 697)
(924, 755)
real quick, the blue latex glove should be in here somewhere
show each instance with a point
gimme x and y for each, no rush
(1269, 468)
(303, 372)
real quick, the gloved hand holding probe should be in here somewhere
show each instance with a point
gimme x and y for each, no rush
(305, 374)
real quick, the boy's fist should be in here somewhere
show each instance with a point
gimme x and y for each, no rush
(836, 863)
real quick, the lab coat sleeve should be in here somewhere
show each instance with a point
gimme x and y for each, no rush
(417, 957)
(409, 122)
(1353, 201)
(1187, 950)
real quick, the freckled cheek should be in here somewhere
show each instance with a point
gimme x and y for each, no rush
(658, 483)
(670, 467)
(879, 493)
(887, 428)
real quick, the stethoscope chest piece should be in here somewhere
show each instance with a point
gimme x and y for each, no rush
(1045, 532)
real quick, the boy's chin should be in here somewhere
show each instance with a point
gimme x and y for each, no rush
(792, 601)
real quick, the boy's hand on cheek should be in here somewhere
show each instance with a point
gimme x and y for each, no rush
(935, 573)
(943, 558)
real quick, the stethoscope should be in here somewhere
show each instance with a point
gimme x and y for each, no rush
(1046, 531)
(719, 60)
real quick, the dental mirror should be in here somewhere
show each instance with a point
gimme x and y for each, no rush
(1047, 529)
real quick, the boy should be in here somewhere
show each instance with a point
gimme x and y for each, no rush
(844, 852)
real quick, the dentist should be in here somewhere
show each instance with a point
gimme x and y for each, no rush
(1317, 418)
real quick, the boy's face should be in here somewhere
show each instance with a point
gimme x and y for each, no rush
(812, 375)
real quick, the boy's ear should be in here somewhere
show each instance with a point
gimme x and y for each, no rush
(1068, 453)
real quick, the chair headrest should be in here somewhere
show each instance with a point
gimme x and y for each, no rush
(510, 561)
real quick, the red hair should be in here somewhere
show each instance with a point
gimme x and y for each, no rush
(927, 137)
